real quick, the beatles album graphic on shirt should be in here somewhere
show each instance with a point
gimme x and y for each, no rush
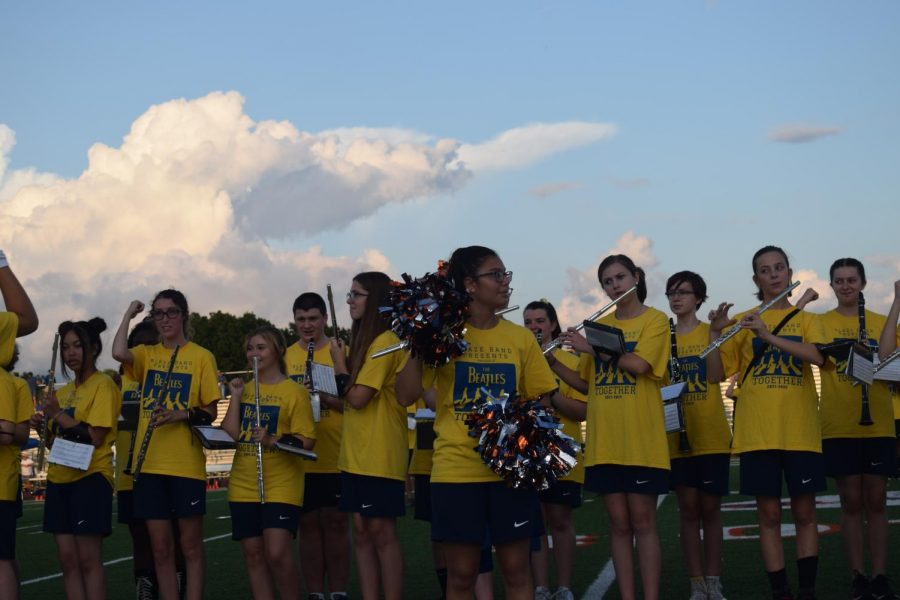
(176, 397)
(268, 418)
(777, 368)
(611, 381)
(470, 377)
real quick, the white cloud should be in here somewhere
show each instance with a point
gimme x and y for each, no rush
(801, 134)
(191, 199)
(551, 189)
(583, 295)
(524, 146)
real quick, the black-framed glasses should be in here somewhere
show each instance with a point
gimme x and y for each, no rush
(679, 293)
(159, 314)
(499, 276)
(353, 294)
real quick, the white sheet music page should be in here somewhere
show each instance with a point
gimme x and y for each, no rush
(889, 372)
(323, 379)
(673, 423)
(860, 368)
(71, 454)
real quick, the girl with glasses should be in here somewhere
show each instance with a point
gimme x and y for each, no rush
(172, 479)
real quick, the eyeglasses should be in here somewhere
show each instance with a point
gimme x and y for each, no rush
(499, 276)
(679, 293)
(159, 314)
(353, 294)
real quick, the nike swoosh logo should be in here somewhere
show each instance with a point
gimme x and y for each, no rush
(280, 518)
(875, 464)
(517, 524)
(640, 482)
(707, 482)
(82, 521)
(567, 493)
(195, 502)
(368, 505)
(805, 481)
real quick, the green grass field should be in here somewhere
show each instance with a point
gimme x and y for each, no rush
(742, 566)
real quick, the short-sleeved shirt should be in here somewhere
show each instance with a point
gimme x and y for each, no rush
(570, 427)
(704, 414)
(97, 403)
(841, 402)
(15, 407)
(131, 391)
(778, 406)
(9, 327)
(625, 422)
(284, 410)
(505, 358)
(173, 449)
(374, 441)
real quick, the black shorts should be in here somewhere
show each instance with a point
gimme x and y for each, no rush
(8, 517)
(707, 473)
(168, 497)
(83, 507)
(422, 510)
(859, 456)
(248, 519)
(626, 479)
(125, 506)
(762, 471)
(321, 490)
(373, 497)
(567, 493)
(462, 513)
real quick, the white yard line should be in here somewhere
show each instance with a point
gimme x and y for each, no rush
(112, 562)
(607, 576)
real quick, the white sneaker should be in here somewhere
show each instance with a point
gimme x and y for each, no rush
(542, 593)
(698, 590)
(714, 589)
(563, 593)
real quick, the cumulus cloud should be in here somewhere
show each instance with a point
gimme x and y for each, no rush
(583, 295)
(802, 134)
(193, 198)
(524, 146)
(551, 189)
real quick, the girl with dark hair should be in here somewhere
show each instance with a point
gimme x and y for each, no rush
(699, 475)
(468, 499)
(172, 481)
(373, 455)
(78, 506)
(564, 494)
(627, 457)
(776, 425)
(266, 531)
(859, 457)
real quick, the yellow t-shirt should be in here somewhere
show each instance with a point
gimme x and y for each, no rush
(625, 423)
(777, 408)
(15, 407)
(127, 442)
(571, 428)
(97, 403)
(505, 358)
(9, 327)
(173, 449)
(420, 463)
(841, 402)
(284, 410)
(331, 422)
(704, 414)
(374, 441)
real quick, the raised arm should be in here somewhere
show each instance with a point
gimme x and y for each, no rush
(16, 299)
(120, 349)
(887, 343)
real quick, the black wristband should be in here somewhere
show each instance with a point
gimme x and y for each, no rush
(341, 380)
(199, 417)
(78, 433)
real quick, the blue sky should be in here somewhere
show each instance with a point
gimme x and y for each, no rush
(672, 151)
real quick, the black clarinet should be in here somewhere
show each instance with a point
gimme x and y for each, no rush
(865, 417)
(675, 374)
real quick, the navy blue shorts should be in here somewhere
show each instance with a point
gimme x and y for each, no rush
(8, 511)
(321, 490)
(168, 497)
(462, 513)
(422, 510)
(567, 493)
(707, 473)
(125, 506)
(83, 507)
(248, 519)
(373, 497)
(859, 456)
(762, 472)
(626, 479)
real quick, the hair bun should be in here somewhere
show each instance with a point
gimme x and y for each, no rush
(97, 324)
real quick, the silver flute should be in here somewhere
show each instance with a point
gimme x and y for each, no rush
(260, 486)
(158, 402)
(557, 342)
(888, 359)
(734, 330)
(405, 344)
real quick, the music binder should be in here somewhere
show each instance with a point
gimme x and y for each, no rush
(604, 339)
(213, 438)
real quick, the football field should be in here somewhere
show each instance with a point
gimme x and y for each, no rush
(742, 576)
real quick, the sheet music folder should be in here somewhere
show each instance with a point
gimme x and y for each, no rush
(213, 438)
(604, 339)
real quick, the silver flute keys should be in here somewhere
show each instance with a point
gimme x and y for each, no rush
(260, 486)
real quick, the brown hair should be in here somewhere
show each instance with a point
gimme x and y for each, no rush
(370, 325)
